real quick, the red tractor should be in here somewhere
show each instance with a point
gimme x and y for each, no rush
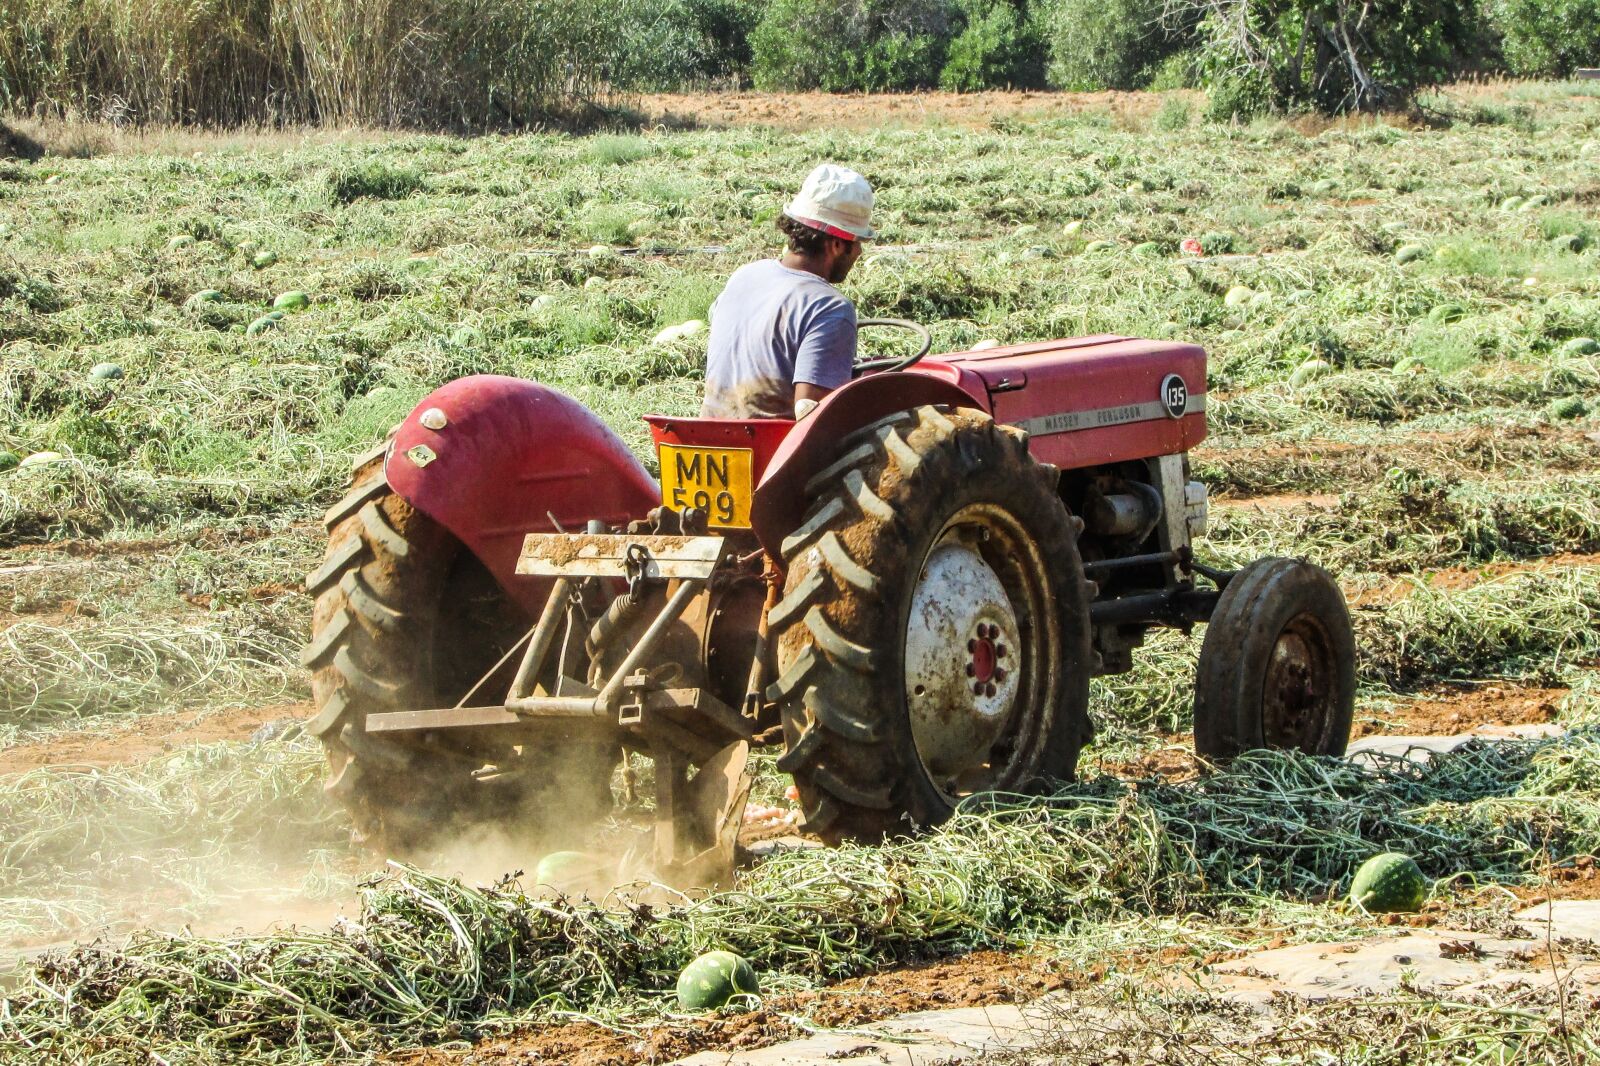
(910, 589)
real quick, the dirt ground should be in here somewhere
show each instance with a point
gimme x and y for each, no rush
(979, 979)
(145, 736)
(803, 111)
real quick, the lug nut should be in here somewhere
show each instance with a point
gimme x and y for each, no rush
(999, 651)
(971, 670)
(977, 688)
(988, 690)
(972, 646)
(999, 674)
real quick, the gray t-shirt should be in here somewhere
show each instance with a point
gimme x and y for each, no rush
(770, 328)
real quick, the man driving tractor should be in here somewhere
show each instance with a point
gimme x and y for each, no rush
(782, 337)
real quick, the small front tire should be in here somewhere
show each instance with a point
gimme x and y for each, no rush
(1277, 667)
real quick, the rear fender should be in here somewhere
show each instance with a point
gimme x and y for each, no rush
(500, 457)
(780, 503)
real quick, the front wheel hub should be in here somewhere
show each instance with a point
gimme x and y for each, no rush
(961, 646)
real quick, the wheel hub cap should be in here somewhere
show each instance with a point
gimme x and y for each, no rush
(961, 645)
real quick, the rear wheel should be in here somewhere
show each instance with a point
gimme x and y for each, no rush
(1277, 667)
(933, 637)
(407, 618)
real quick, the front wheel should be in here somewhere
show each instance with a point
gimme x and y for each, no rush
(933, 636)
(1277, 667)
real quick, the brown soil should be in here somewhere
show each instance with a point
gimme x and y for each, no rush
(144, 737)
(1454, 579)
(1174, 761)
(1459, 710)
(1281, 502)
(1575, 879)
(806, 111)
(974, 980)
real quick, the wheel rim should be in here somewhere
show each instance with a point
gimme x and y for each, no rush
(1299, 696)
(979, 655)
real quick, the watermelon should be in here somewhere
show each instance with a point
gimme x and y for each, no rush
(1027, 229)
(1580, 346)
(181, 241)
(467, 337)
(1100, 246)
(1239, 295)
(293, 300)
(1215, 243)
(1567, 242)
(541, 302)
(562, 868)
(1039, 251)
(1532, 203)
(105, 372)
(262, 260)
(984, 345)
(1388, 884)
(1568, 407)
(8, 460)
(714, 978)
(270, 320)
(1073, 228)
(38, 459)
(1511, 203)
(594, 283)
(205, 296)
(1325, 187)
(1446, 313)
(1408, 253)
(600, 251)
(1309, 371)
(1148, 248)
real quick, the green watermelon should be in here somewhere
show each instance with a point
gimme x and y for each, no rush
(262, 260)
(1073, 228)
(1533, 203)
(1408, 253)
(1388, 884)
(1511, 203)
(1309, 371)
(715, 978)
(1148, 248)
(565, 867)
(105, 372)
(270, 320)
(1325, 187)
(38, 459)
(1039, 251)
(1100, 246)
(1446, 313)
(293, 300)
(1568, 407)
(1580, 346)
(182, 240)
(1239, 295)
(1215, 243)
(1567, 242)
(205, 296)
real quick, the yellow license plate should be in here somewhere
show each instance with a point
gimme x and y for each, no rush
(716, 480)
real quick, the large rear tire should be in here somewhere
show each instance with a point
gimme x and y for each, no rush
(407, 618)
(933, 635)
(1277, 666)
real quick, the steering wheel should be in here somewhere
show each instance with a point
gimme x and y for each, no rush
(873, 365)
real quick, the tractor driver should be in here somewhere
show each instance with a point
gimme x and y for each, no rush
(782, 337)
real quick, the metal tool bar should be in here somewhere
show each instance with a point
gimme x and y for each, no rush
(606, 555)
(1174, 607)
(544, 635)
(1127, 562)
(443, 718)
(611, 692)
(556, 707)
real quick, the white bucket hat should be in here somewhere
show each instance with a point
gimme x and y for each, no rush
(835, 200)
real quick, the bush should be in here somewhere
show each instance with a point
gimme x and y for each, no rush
(1000, 47)
(851, 45)
(1108, 44)
(1547, 38)
(1330, 55)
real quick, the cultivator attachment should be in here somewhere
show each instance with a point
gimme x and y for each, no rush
(634, 687)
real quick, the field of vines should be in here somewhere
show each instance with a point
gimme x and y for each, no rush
(1401, 318)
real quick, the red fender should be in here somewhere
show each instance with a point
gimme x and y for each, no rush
(780, 501)
(507, 454)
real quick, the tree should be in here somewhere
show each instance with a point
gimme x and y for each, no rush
(1331, 55)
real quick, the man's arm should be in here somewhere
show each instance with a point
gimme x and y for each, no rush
(826, 358)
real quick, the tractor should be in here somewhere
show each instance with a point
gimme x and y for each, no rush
(909, 589)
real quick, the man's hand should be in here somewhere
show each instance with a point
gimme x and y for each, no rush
(806, 397)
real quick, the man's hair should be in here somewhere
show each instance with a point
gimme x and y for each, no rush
(803, 240)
